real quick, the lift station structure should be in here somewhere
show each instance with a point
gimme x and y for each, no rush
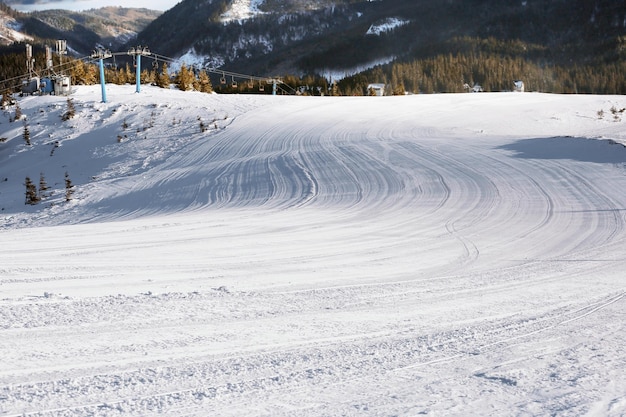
(51, 82)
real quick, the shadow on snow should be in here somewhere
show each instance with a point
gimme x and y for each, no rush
(603, 151)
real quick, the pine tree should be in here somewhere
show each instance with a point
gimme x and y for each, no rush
(43, 186)
(129, 75)
(120, 77)
(18, 112)
(83, 73)
(6, 99)
(69, 188)
(163, 79)
(184, 78)
(32, 197)
(204, 82)
(147, 77)
(71, 110)
(26, 133)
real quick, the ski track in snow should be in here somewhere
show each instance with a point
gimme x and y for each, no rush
(315, 256)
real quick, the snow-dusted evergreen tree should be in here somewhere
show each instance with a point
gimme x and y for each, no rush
(32, 197)
(69, 187)
(26, 134)
(18, 112)
(43, 186)
(71, 110)
(6, 99)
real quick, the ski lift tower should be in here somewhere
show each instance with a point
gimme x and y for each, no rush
(31, 84)
(61, 49)
(62, 83)
(137, 52)
(49, 63)
(101, 55)
(46, 87)
(30, 61)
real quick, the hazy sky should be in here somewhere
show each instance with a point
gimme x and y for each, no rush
(30, 5)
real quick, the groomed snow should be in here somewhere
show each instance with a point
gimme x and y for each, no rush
(458, 254)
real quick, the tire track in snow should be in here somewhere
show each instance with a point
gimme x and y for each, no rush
(557, 321)
(332, 334)
(278, 372)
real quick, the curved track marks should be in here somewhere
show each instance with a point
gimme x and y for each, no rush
(410, 271)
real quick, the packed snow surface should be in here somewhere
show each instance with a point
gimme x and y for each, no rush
(242, 255)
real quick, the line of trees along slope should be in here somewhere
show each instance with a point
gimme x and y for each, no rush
(494, 65)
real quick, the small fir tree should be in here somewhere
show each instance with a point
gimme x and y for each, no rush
(163, 79)
(18, 112)
(185, 78)
(147, 77)
(204, 82)
(32, 197)
(6, 99)
(69, 188)
(43, 186)
(120, 76)
(26, 133)
(71, 110)
(129, 75)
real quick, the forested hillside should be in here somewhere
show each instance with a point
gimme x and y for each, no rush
(493, 65)
(556, 45)
(339, 47)
(109, 27)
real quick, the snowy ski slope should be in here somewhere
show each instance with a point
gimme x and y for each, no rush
(458, 254)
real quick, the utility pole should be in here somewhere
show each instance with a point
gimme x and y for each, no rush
(49, 63)
(101, 55)
(138, 52)
(30, 61)
(61, 49)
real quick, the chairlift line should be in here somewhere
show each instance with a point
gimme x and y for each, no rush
(137, 52)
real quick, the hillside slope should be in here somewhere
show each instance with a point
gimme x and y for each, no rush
(109, 27)
(10, 27)
(444, 254)
(283, 38)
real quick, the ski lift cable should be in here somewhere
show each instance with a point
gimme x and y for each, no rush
(162, 58)
(223, 73)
